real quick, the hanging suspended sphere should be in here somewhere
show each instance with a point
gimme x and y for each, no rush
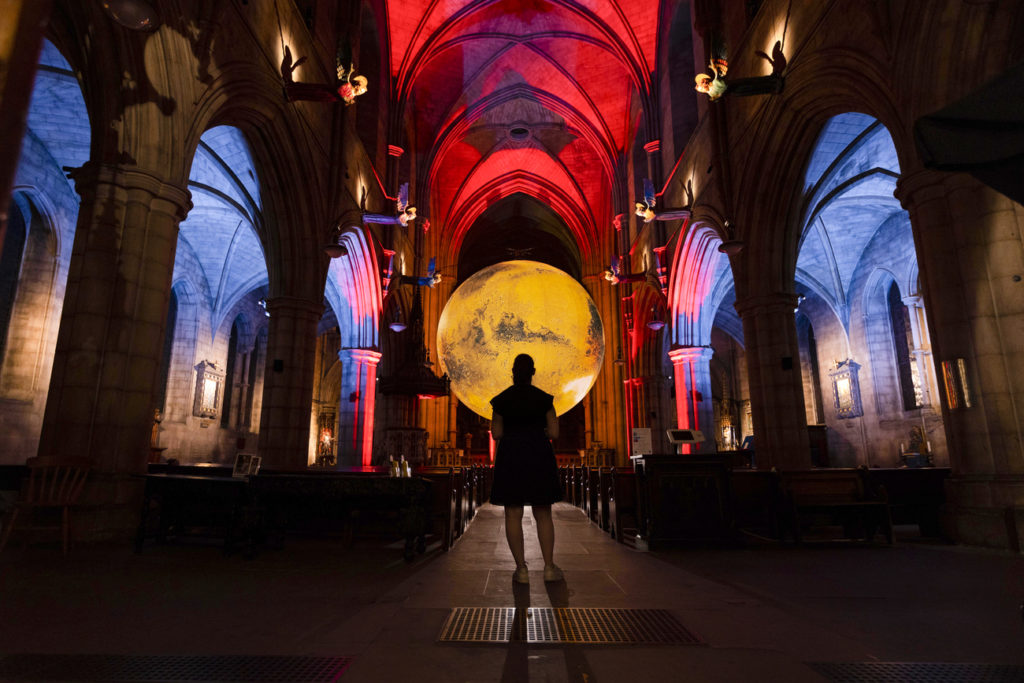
(520, 307)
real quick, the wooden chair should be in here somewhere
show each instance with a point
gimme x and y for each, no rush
(53, 483)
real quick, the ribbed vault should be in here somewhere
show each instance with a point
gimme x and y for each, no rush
(538, 97)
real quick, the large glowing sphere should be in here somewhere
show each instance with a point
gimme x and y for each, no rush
(520, 307)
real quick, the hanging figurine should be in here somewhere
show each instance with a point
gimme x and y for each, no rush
(346, 88)
(713, 86)
(716, 86)
(646, 210)
(406, 213)
(432, 278)
(615, 275)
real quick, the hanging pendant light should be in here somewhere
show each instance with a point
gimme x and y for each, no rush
(398, 324)
(137, 15)
(655, 323)
(334, 248)
(731, 247)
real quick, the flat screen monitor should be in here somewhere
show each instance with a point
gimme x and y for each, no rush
(685, 436)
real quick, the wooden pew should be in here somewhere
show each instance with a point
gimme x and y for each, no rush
(322, 502)
(577, 485)
(916, 495)
(623, 516)
(604, 495)
(593, 494)
(757, 502)
(459, 486)
(836, 496)
(470, 495)
(443, 499)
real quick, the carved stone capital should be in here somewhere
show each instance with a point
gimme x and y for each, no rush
(777, 302)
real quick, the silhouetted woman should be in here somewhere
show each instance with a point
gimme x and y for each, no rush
(525, 472)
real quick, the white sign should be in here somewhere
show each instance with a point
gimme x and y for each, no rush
(642, 441)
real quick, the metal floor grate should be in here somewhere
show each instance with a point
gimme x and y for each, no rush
(583, 625)
(919, 672)
(193, 669)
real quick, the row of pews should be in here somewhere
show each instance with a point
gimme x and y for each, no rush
(436, 504)
(607, 495)
(666, 500)
(456, 494)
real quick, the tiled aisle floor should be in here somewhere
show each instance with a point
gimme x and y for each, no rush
(764, 611)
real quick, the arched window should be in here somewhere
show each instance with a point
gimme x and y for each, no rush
(812, 353)
(241, 376)
(810, 370)
(903, 344)
(230, 381)
(27, 271)
(165, 357)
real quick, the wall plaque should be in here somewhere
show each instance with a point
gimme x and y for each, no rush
(209, 388)
(846, 388)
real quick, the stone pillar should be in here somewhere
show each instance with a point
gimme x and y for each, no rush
(391, 172)
(971, 262)
(288, 382)
(105, 367)
(776, 388)
(356, 406)
(653, 149)
(692, 371)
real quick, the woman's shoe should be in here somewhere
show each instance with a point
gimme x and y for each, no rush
(521, 575)
(553, 573)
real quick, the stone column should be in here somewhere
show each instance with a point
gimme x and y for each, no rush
(288, 382)
(971, 262)
(776, 389)
(356, 406)
(692, 372)
(105, 367)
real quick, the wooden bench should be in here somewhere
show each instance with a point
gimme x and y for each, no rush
(443, 500)
(843, 497)
(623, 519)
(604, 496)
(757, 502)
(593, 493)
(916, 495)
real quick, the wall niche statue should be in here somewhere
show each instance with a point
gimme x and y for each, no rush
(209, 389)
(846, 388)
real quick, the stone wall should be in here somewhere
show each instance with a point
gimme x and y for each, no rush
(43, 193)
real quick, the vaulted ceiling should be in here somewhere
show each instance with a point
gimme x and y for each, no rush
(533, 97)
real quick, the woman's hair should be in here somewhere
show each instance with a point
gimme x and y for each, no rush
(522, 369)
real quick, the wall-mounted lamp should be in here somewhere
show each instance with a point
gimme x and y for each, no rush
(334, 248)
(397, 324)
(655, 323)
(799, 300)
(731, 247)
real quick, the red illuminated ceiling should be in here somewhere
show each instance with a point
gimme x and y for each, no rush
(574, 74)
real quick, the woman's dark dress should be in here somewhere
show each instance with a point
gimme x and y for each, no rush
(525, 471)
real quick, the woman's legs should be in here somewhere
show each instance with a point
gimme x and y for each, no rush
(514, 533)
(545, 532)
